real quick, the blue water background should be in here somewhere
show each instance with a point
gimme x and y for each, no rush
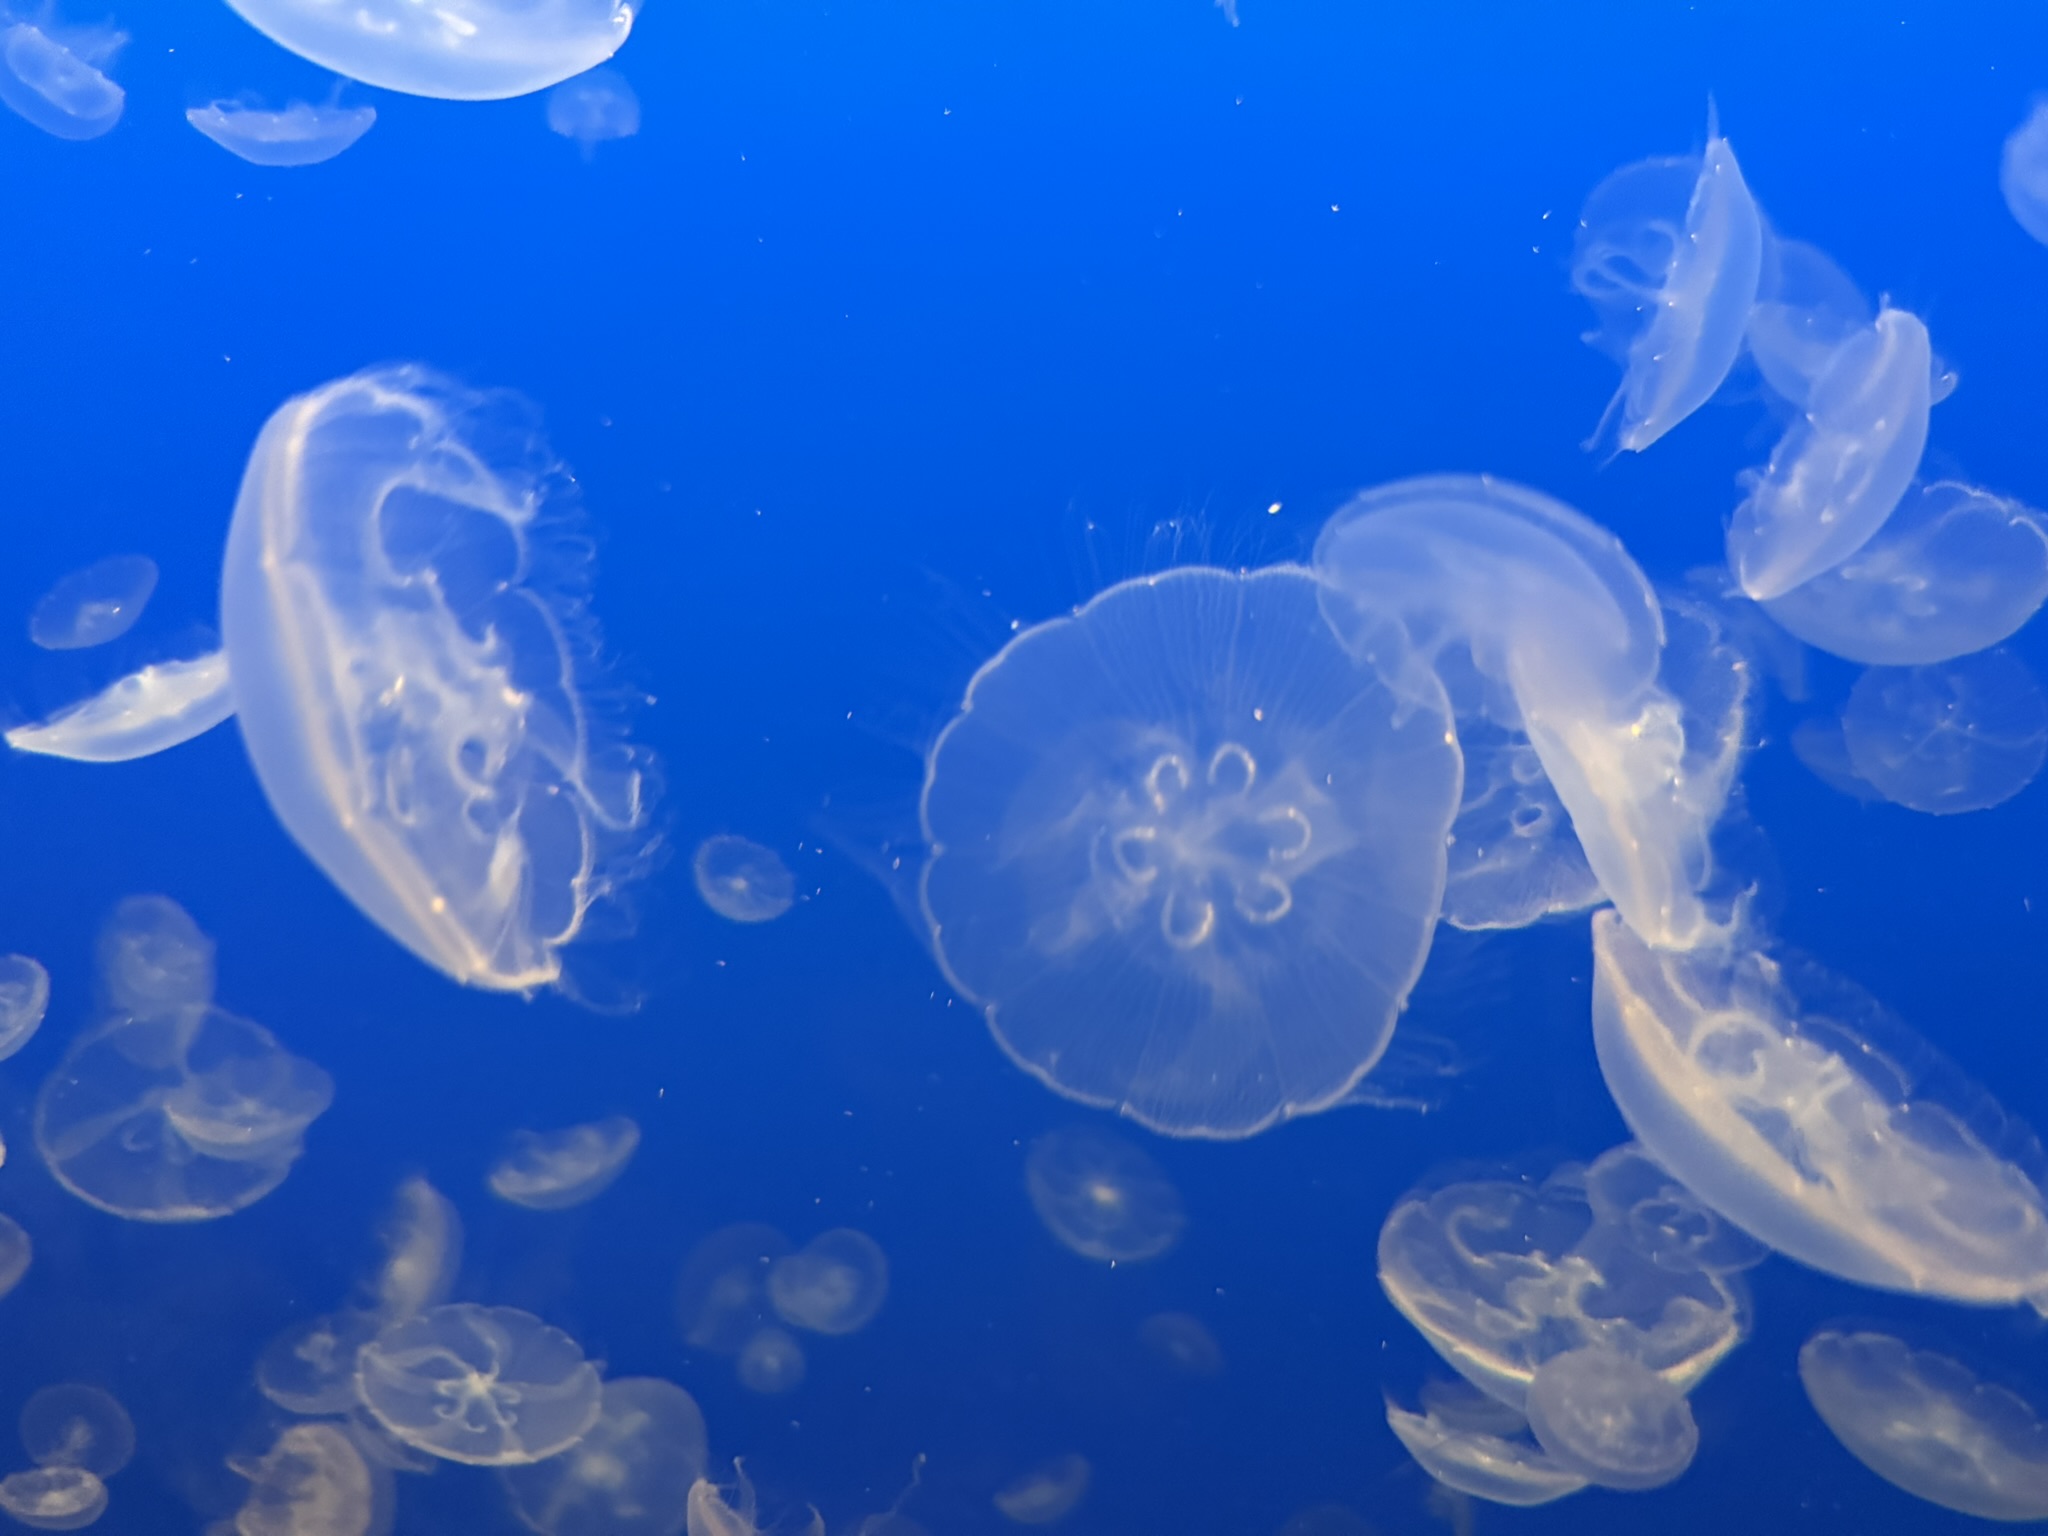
(897, 325)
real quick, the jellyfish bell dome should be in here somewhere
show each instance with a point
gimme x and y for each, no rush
(1186, 854)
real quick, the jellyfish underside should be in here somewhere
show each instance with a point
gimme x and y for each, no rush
(299, 134)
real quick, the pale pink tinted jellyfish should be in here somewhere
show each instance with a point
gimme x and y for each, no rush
(409, 689)
(299, 134)
(55, 76)
(2023, 173)
(1185, 854)
(1669, 252)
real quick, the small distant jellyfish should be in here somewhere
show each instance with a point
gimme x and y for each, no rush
(313, 1481)
(24, 999)
(151, 710)
(554, 1170)
(742, 881)
(1045, 1493)
(153, 959)
(1101, 1196)
(56, 78)
(75, 1425)
(95, 605)
(2023, 173)
(771, 1363)
(1181, 1342)
(835, 1283)
(594, 108)
(53, 1498)
(298, 135)
(630, 1474)
(1964, 735)
(16, 1253)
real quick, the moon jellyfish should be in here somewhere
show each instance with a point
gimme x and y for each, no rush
(409, 692)
(153, 960)
(53, 1498)
(310, 1368)
(1181, 1342)
(95, 605)
(711, 1513)
(2023, 173)
(75, 1425)
(1513, 856)
(299, 135)
(313, 1481)
(835, 1283)
(1611, 1419)
(1045, 1493)
(722, 1293)
(16, 1253)
(1538, 620)
(1662, 1219)
(742, 881)
(1927, 1424)
(458, 50)
(57, 80)
(184, 1117)
(161, 706)
(1965, 735)
(422, 1238)
(630, 1475)
(489, 1386)
(1806, 308)
(1185, 854)
(1788, 1103)
(24, 999)
(1668, 253)
(1475, 1445)
(771, 1363)
(554, 1170)
(594, 108)
(1101, 1196)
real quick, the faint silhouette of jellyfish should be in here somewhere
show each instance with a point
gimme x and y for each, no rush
(1819, 745)
(422, 1238)
(2023, 173)
(1513, 856)
(1229, 10)
(95, 605)
(892, 1521)
(151, 710)
(153, 960)
(74, 1425)
(53, 1498)
(1806, 308)
(1181, 1343)
(1963, 735)
(835, 1283)
(1612, 1420)
(722, 1293)
(313, 1481)
(1955, 569)
(16, 1253)
(184, 1117)
(630, 1474)
(1185, 854)
(1045, 1493)
(1101, 1196)
(1926, 1423)
(712, 1513)
(56, 78)
(488, 1386)
(298, 135)
(554, 1170)
(1469, 1442)
(1788, 1102)
(410, 696)
(1327, 1520)
(741, 880)
(461, 50)
(593, 108)
(771, 1363)
(310, 1368)
(1669, 252)
(24, 999)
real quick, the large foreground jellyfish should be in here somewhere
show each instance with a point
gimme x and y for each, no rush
(460, 50)
(1668, 252)
(1788, 1103)
(161, 706)
(56, 76)
(1965, 735)
(1186, 854)
(409, 688)
(300, 134)
(1537, 620)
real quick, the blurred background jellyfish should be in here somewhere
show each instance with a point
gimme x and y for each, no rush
(422, 1240)
(55, 76)
(151, 710)
(409, 690)
(742, 881)
(1513, 855)
(24, 999)
(630, 1474)
(711, 1512)
(300, 134)
(722, 1292)
(834, 1284)
(93, 606)
(1963, 735)
(593, 109)
(75, 1425)
(2023, 172)
(1101, 1196)
(313, 1481)
(53, 1498)
(1610, 1419)
(16, 1253)
(460, 50)
(1047, 1492)
(153, 959)
(1182, 1343)
(1926, 1423)
(310, 1368)
(554, 1170)
(1668, 253)
(1185, 854)
(1480, 1446)
(771, 1362)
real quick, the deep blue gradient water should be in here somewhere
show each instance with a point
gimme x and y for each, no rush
(896, 326)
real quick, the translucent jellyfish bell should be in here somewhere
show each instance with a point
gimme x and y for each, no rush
(299, 135)
(1612, 1420)
(313, 1481)
(151, 710)
(554, 1170)
(24, 999)
(742, 881)
(153, 959)
(834, 1284)
(75, 1425)
(1668, 252)
(771, 1363)
(1926, 1423)
(630, 1474)
(1664, 1221)
(2023, 173)
(408, 691)
(459, 50)
(1101, 1196)
(53, 1498)
(1046, 1493)
(422, 1240)
(1186, 854)
(1963, 735)
(594, 108)
(1806, 307)
(722, 1293)
(1778, 1110)
(489, 1386)
(310, 1368)
(56, 77)
(1513, 856)
(95, 605)
(1183, 1343)
(1469, 1442)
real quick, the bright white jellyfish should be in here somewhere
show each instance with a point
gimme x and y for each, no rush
(24, 999)
(1668, 252)
(153, 960)
(630, 1475)
(835, 1283)
(742, 881)
(1786, 1101)
(53, 1498)
(298, 135)
(1047, 1492)
(151, 710)
(1927, 1424)
(554, 1170)
(1611, 1419)
(1476, 1445)
(1962, 736)
(313, 1481)
(2023, 173)
(56, 76)
(408, 688)
(75, 1425)
(1955, 569)
(1101, 1196)
(490, 1386)
(1186, 854)
(594, 108)
(459, 50)
(95, 605)
(1518, 611)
